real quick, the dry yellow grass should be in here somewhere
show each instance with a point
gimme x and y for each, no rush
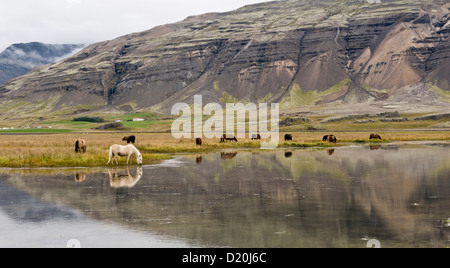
(58, 150)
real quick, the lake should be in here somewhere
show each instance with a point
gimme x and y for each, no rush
(397, 195)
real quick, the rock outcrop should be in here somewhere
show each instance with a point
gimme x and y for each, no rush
(298, 53)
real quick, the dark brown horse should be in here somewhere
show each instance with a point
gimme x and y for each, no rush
(129, 139)
(375, 136)
(332, 138)
(198, 141)
(228, 138)
(256, 137)
(288, 137)
(80, 146)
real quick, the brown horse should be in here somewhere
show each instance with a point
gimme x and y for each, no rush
(80, 146)
(228, 138)
(375, 136)
(332, 138)
(198, 141)
(256, 137)
(129, 139)
(288, 137)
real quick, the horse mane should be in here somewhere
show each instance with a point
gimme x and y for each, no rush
(135, 150)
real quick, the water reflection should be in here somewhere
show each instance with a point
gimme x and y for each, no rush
(23, 207)
(374, 147)
(268, 199)
(127, 180)
(80, 176)
(331, 151)
(228, 155)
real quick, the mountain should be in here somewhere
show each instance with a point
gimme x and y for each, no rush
(19, 59)
(341, 56)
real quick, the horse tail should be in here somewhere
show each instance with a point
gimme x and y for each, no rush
(77, 146)
(110, 155)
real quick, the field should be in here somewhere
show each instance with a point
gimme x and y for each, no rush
(57, 150)
(159, 123)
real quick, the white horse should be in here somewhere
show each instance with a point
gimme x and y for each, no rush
(128, 150)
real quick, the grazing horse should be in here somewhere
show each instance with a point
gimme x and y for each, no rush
(256, 137)
(228, 138)
(329, 138)
(198, 141)
(128, 150)
(80, 146)
(288, 137)
(130, 139)
(375, 136)
(332, 138)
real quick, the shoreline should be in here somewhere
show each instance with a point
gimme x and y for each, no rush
(157, 155)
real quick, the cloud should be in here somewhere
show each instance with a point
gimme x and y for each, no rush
(33, 55)
(78, 21)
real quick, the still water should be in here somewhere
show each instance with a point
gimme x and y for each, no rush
(398, 194)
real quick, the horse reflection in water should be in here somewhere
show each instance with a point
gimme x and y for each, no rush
(124, 181)
(80, 176)
(228, 155)
(374, 147)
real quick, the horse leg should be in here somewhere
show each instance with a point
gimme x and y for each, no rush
(111, 158)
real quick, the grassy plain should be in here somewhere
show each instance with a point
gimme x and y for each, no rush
(58, 150)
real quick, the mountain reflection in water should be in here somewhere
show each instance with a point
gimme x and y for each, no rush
(343, 197)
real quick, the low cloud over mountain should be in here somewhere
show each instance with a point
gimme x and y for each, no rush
(18, 59)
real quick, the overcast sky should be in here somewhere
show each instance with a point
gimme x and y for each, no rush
(89, 21)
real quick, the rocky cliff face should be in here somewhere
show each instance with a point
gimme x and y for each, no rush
(301, 54)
